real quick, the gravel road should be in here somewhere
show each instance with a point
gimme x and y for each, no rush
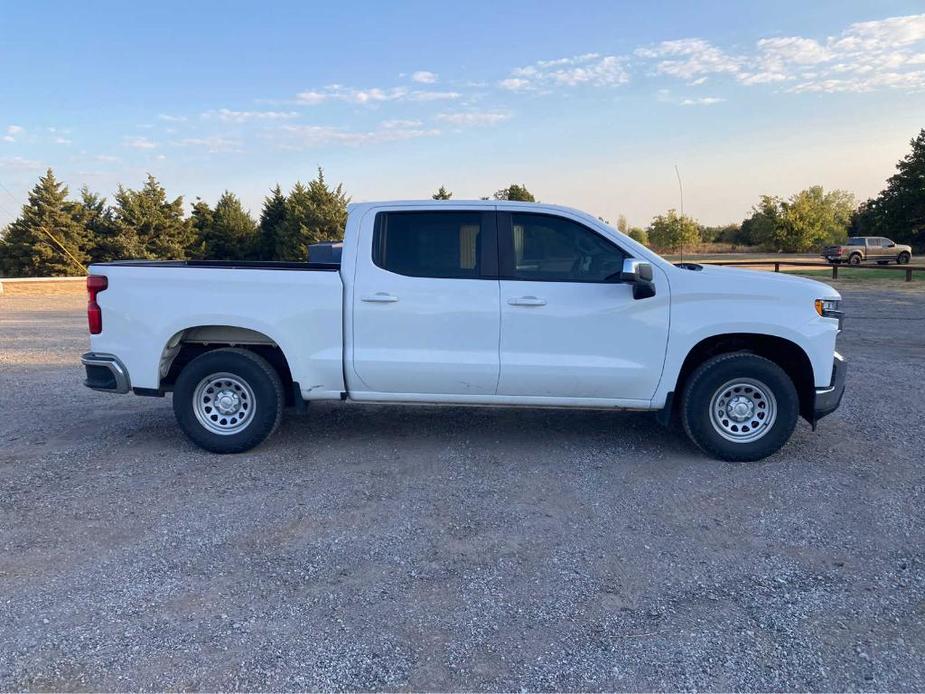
(447, 548)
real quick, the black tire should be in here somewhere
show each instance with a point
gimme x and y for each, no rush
(854, 259)
(903, 258)
(707, 382)
(247, 371)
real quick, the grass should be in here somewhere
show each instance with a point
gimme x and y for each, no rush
(851, 275)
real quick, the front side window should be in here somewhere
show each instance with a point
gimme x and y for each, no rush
(554, 249)
(430, 244)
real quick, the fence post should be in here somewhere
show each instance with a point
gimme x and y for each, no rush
(776, 267)
(834, 272)
(908, 274)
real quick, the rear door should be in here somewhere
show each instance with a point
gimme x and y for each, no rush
(569, 327)
(426, 304)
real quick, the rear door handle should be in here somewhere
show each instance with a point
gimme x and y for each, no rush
(527, 301)
(380, 298)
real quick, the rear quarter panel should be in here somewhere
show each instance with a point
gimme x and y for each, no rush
(301, 311)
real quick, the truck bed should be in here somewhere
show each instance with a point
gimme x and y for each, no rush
(226, 264)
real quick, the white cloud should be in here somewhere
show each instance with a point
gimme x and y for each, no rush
(424, 77)
(309, 136)
(311, 97)
(401, 123)
(473, 118)
(690, 59)
(433, 96)
(62, 141)
(373, 95)
(108, 158)
(138, 143)
(19, 164)
(514, 84)
(867, 56)
(12, 131)
(702, 101)
(212, 143)
(171, 119)
(229, 116)
(589, 69)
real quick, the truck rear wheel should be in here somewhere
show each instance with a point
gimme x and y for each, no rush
(228, 400)
(854, 259)
(739, 407)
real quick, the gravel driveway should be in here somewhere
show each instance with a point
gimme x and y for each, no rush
(374, 547)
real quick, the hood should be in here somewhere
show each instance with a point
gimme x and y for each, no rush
(762, 281)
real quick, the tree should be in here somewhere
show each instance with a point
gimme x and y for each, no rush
(314, 213)
(899, 210)
(95, 216)
(639, 234)
(149, 225)
(672, 232)
(814, 218)
(515, 192)
(442, 194)
(232, 235)
(622, 225)
(271, 226)
(759, 228)
(201, 221)
(46, 239)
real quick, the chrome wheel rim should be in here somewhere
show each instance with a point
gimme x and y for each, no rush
(224, 403)
(743, 410)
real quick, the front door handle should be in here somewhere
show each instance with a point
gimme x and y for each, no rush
(527, 301)
(380, 298)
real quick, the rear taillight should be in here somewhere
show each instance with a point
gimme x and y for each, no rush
(95, 284)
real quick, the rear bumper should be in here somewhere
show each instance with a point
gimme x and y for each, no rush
(105, 373)
(828, 399)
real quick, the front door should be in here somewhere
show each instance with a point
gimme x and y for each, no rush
(426, 304)
(569, 327)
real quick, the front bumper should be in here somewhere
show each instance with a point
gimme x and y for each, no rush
(105, 372)
(828, 399)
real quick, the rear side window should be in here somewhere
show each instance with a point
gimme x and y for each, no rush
(855, 242)
(433, 244)
(554, 249)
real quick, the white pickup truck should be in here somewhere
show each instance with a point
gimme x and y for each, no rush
(471, 303)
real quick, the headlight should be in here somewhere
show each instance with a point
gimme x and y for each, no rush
(828, 308)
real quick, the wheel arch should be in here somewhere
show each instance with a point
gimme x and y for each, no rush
(190, 342)
(785, 353)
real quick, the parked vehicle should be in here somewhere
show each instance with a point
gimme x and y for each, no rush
(861, 249)
(471, 303)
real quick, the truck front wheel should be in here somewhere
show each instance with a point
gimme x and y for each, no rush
(228, 400)
(739, 407)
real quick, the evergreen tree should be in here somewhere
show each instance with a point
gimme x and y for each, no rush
(232, 234)
(899, 211)
(515, 192)
(45, 240)
(314, 213)
(95, 216)
(442, 194)
(201, 222)
(149, 225)
(272, 221)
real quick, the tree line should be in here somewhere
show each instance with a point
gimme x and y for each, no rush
(809, 219)
(55, 235)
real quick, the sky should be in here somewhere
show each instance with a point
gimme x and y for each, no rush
(589, 104)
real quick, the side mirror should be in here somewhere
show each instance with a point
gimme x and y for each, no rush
(639, 274)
